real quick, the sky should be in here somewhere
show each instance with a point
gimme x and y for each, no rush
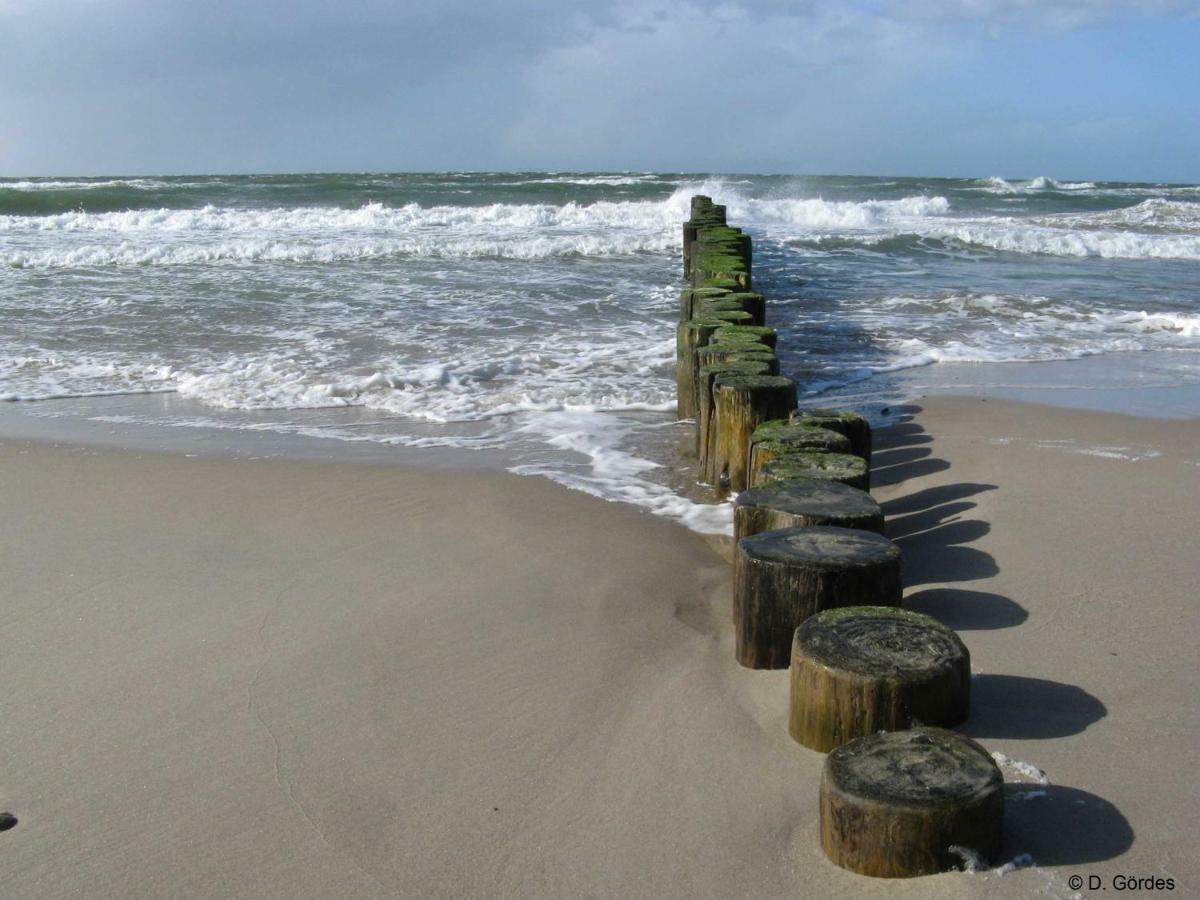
(1070, 89)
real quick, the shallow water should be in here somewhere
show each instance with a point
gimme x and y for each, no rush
(528, 317)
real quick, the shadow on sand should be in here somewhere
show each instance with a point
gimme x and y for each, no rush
(1013, 706)
(1056, 825)
(1062, 826)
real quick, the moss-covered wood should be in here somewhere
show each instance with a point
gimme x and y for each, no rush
(719, 265)
(851, 424)
(895, 804)
(805, 464)
(755, 304)
(797, 504)
(689, 298)
(780, 578)
(751, 303)
(706, 376)
(689, 337)
(744, 332)
(779, 439)
(863, 669)
(719, 353)
(740, 404)
(727, 284)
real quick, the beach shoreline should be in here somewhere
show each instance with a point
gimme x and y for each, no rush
(287, 678)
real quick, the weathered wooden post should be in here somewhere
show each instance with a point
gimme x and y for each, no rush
(796, 464)
(690, 336)
(804, 503)
(689, 298)
(863, 669)
(852, 425)
(747, 334)
(747, 365)
(778, 438)
(740, 404)
(901, 803)
(750, 303)
(780, 578)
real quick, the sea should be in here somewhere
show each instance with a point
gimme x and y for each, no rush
(526, 320)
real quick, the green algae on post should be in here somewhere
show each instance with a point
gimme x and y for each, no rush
(851, 424)
(740, 404)
(745, 332)
(800, 464)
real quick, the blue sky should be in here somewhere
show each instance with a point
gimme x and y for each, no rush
(1074, 89)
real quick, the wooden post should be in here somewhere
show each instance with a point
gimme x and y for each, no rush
(797, 504)
(755, 304)
(689, 297)
(718, 264)
(755, 334)
(802, 464)
(741, 403)
(898, 804)
(705, 379)
(780, 578)
(726, 284)
(690, 336)
(746, 302)
(863, 669)
(852, 425)
(718, 353)
(778, 438)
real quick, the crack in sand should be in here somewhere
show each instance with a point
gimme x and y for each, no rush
(285, 784)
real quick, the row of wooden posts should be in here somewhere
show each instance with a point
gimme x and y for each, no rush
(817, 586)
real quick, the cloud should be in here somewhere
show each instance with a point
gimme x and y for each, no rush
(708, 82)
(792, 85)
(1063, 15)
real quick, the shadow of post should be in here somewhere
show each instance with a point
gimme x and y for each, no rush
(1061, 826)
(1015, 706)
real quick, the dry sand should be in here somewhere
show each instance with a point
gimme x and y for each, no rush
(279, 679)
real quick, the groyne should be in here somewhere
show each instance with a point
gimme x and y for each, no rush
(817, 587)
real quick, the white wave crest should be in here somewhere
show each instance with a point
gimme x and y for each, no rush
(997, 185)
(817, 213)
(324, 234)
(1014, 236)
(50, 184)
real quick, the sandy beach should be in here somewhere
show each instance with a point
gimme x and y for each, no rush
(231, 677)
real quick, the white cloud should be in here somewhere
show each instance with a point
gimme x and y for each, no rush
(1056, 14)
(706, 81)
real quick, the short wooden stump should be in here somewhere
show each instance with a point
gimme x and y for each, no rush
(864, 669)
(780, 578)
(905, 803)
(804, 503)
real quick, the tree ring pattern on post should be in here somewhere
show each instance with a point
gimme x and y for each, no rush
(859, 670)
(880, 641)
(894, 804)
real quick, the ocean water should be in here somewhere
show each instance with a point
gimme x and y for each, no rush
(527, 319)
